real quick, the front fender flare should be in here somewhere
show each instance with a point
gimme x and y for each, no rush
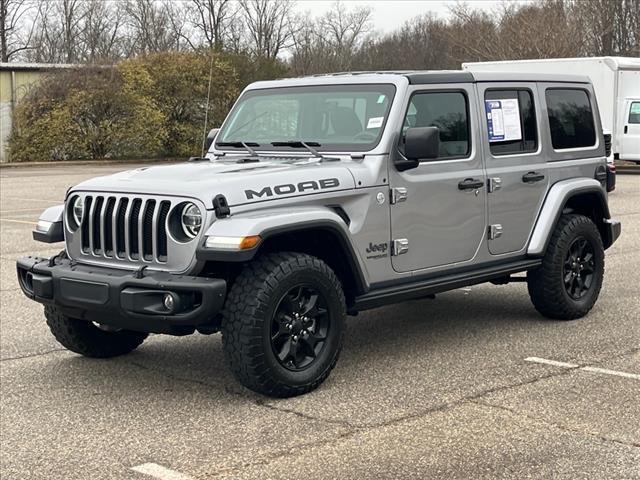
(277, 221)
(558, 196)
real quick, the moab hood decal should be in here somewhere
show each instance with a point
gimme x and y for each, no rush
(240, 183)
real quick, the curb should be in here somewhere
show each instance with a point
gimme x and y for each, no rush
(69, 163)
(631, 169)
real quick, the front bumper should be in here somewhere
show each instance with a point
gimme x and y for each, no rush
(122, 298)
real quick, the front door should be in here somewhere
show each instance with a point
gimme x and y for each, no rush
(630, 138)
(517, 176)
(442, 219)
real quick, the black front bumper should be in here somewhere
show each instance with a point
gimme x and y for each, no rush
(122, 298)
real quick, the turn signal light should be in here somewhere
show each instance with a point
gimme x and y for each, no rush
(232, 243)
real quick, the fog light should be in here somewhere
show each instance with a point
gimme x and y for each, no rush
(169, 302)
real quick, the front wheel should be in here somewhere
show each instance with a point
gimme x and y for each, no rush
(568, 283)
(283, 323)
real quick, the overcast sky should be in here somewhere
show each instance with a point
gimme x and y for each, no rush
(389, 14)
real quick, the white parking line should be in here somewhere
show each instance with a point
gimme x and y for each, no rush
(17, 221)
(611, 372)
(586, 369)
(158, 471)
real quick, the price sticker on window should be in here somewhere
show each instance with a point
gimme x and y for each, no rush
(503, 120)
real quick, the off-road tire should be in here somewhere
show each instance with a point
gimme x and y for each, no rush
(83, 337)
(546, 284)
(248, 314)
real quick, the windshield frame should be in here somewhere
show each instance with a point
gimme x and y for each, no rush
(391, 93)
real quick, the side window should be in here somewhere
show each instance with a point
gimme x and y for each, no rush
(449, 112)
(511, 121)
(570, 118)
(634, 112)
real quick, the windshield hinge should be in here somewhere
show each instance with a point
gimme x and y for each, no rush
(398, 195)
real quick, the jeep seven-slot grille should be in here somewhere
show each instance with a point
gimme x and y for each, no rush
(125, 228)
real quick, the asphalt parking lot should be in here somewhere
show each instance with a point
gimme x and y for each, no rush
(456, 387)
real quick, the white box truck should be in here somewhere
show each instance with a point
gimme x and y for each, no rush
(616, 81)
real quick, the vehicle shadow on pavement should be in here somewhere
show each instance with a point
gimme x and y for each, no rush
(400, 336)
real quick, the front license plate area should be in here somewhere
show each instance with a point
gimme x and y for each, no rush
(81, 291)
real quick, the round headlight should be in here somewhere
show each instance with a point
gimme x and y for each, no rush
(191, 219)
(77, 209)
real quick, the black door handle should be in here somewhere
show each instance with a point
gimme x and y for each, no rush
(626, 128)
(470, 184)
(532, 177)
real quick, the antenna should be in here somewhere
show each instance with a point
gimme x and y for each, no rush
(206, 112)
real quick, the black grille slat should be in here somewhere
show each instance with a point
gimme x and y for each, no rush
(84, 228)
(133, 228)
(95, 224)
(147, 230)
(162, 231)
(108, 227)
(120, 242)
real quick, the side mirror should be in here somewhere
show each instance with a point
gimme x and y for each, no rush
(422, 143)
(210, 138)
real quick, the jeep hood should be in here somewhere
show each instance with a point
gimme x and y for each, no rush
(239, 182)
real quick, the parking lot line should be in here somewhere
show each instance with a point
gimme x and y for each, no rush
(611, 372)
(605, 371)
(17, 221)
(551, 362)
(158, 471)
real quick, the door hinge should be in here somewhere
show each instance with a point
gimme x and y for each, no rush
(399, 246)
(495, 231)
(495, 183)
(398, 195)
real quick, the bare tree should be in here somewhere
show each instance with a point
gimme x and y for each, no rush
(345, 30)
(331, 43)
(421, 43)
(153, 26)
(267, 26)
(58, 31)
(213, 20)
(102, 32)
(608, 27)
(15, 31)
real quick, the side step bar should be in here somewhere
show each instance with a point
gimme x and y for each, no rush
(410, 291)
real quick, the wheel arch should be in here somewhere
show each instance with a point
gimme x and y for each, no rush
(584, 196)
(320, 232)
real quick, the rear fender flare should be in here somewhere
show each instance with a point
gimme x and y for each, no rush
(557, 197)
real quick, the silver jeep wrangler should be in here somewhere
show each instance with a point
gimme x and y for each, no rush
(329, 195)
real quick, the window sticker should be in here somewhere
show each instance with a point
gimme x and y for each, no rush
(635, 108)
(503, 120)
(381, 98)
(375, 122)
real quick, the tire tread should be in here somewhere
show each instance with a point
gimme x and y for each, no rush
(246, 307)
(545, 283)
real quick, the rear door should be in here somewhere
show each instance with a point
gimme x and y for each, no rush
(516, 168)
(630, 139)
(438, 216)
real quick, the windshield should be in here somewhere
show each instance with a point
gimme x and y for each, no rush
(329, 117)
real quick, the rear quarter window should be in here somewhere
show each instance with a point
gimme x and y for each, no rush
(570, 118)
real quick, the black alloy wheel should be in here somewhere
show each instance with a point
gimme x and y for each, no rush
(299, 327)
(579, 268)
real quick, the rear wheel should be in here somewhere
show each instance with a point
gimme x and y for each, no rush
(283, 323)
(568, 283)
(86, 338)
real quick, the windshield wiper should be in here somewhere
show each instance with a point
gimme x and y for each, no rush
(300, 144)
(246, 145)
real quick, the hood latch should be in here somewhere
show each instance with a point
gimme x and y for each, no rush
(220, 206)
